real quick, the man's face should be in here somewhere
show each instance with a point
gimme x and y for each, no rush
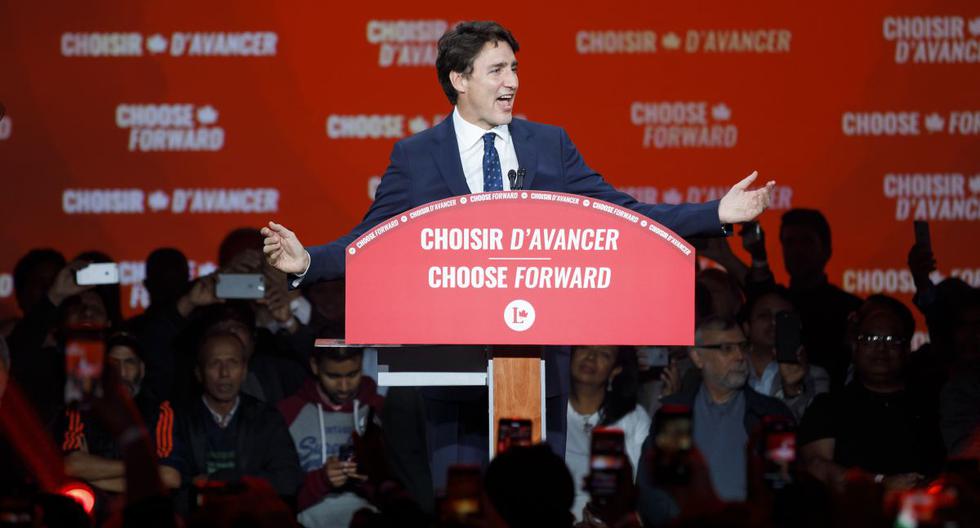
(722, 358)
(594, 365)
(486, 95)
(340, 380)
(87, 310)
(804, 253)
(222, 368)
(129, 367)
(878, 361)
(762, 320)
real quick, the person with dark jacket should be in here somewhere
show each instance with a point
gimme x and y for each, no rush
(91, 451)
(37, 342)
(882, 423)
(226, 434)
(725, 413)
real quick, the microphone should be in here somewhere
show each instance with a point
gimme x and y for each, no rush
(521, 173)
(512, 178)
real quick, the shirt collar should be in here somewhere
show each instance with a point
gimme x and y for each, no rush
(468, 134)
(222, 421)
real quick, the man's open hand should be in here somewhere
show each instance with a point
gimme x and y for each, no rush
(741, 204)
(283, 250)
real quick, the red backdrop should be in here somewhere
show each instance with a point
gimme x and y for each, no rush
(288, 110)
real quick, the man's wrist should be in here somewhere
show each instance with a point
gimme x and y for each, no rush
(306, 269)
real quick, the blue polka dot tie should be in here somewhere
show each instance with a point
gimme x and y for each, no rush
(492, 178)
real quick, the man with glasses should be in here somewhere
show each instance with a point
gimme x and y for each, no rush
(725, 412)
(879, 422)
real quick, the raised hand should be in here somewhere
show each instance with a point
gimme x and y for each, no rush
(741, 204)
(64, 285)
(283, 250)
(202, 293)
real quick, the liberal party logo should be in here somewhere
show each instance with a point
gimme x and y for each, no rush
(519, 315)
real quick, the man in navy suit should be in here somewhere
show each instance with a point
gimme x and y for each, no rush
(474, 150)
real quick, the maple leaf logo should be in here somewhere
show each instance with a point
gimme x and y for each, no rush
(522, 313)
(975, 27)
(975, 184)
(157, 201)
(417, 124)
(935, 122)
(207, 115)
(671, 41)
(672, 196)
(721, 112)
(156, 44)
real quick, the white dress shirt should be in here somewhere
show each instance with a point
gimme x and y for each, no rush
(469, 138)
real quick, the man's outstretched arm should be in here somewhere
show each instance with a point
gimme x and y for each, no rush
(284, 251)
(740, 204)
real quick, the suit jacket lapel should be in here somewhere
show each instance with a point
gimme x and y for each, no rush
(446, 156)
(527, 157)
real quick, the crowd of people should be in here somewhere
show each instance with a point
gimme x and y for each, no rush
(219, 411)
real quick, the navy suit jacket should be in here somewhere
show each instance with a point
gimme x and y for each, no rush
(427, 167)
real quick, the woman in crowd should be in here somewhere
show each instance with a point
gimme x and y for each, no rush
(603, 393)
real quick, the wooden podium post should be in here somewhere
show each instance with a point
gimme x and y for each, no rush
(515, 271)
(517, 389)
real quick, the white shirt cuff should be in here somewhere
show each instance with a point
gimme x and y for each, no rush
(299, 276)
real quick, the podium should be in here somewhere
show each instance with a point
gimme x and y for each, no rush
(467, 291)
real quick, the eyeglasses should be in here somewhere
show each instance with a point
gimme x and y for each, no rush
(727, 348)
(887, 341)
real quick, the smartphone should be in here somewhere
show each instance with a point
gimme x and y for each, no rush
(922, 237)
(513, 432)
(778, 449)
(98, 273)
(346, 453)
(463, 490)
(84, 363)
(751, 232)
(607, 458)
(240, 286)
(788, 339)
(673, 438)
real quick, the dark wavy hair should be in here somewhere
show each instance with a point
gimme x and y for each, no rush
(621, 399)
(459, 47)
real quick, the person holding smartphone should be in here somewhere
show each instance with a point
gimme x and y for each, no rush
(778, 363)
(37, 341)
(724, 413)
(334, 421)
(603, 393)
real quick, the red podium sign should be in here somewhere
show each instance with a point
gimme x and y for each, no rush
(520, 267)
